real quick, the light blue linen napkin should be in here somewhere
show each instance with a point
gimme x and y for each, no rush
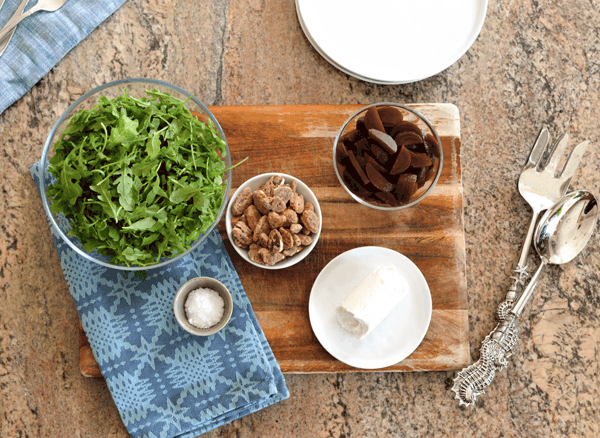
(42, 40)
(165, 382)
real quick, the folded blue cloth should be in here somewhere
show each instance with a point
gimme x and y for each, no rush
(43, 39)
(164, 381)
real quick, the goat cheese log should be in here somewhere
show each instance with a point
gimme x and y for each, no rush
(371, 301)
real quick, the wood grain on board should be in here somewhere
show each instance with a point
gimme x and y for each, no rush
(298, 140)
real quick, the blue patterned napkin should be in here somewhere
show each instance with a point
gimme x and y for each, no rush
(166, 382)
(42, 40)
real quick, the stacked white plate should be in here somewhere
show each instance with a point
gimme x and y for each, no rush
(391, 41)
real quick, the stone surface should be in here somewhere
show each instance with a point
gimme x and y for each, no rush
(535, 63)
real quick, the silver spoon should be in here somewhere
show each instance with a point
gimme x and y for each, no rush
(563, 231)
(42, 5)
(561, 235)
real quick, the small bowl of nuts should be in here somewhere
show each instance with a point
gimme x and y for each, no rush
(273, 220)
(387, 156)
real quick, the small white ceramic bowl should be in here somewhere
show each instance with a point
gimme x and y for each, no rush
(181, 297)
(302, 189)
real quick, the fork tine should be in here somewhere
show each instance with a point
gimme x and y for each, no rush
(573, 162)
(538, 148)
(557, 154)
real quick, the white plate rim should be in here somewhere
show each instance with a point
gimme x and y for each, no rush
(392, 359)
(467, 45)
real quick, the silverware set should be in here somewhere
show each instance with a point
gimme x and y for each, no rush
(561, 234)
(8, 30)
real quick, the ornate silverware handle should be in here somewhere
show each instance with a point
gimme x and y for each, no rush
(497, 347)
(495, 350)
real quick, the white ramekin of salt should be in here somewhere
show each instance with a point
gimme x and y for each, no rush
(203, 306)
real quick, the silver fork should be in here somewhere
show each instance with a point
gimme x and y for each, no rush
(541, 188)
(4, 41)
(41, 5)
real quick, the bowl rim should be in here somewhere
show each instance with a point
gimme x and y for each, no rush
(290, 260)
(44, 160)
(181, 297)
(429, 125)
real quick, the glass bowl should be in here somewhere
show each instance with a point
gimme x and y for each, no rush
(396, 186)
(135, 87)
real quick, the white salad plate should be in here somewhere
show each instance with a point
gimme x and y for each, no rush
(391, 41)
(397, 336)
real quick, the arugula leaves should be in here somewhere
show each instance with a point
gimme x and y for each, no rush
(138, 178)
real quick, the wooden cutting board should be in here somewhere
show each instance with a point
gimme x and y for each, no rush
(298, 140)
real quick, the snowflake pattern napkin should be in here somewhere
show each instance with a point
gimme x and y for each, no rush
(165, 381)
(43, 39)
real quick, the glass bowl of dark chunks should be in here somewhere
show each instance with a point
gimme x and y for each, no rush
(387, 156)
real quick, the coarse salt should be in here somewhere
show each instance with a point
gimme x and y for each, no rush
(204, 307)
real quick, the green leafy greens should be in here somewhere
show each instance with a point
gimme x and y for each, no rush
(138, 179)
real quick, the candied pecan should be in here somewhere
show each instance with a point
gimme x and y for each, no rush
(283, 192)
(253, 254)
(297, 203)
(242, 234)
(275, 241)
(305, 240)
(261, 227)
(277, 180)
(243, 200)
(309, 207)
(270, 258)
(263, 240)
(252, 216)
(295, 228)
(261, 201)
(297, 240)
(310, 220)
(294, 185)
(291, 251)
(236, 219)
(268, 187)
(276, 203)
(286, 237)
(291, 217)
(305, 231)
(276, 220)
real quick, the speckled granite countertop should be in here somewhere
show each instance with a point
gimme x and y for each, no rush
(534, 63)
